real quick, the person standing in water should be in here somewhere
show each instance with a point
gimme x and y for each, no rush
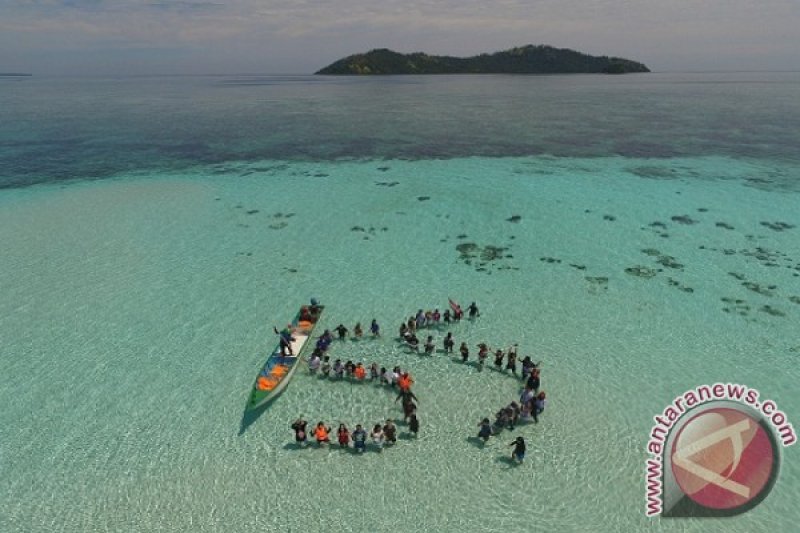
(357, 331)
(342, 331)
(498, 359)
(429, 346)
(378, 437)
(390, 431)
(359, 439)
(449, 342)
(413, 424)
(299, 427)
(375, 329)
(473, 310)
(519, 450)
(464, 351)
(485, 430)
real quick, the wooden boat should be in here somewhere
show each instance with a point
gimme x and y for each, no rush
(278, 369)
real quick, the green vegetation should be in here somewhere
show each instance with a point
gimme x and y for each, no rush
(528, 59)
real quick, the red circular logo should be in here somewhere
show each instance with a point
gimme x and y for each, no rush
(723, 458)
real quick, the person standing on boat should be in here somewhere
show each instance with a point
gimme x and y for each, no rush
(286, 340)
(299, 427)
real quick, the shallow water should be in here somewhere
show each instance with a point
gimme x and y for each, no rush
(138, 310)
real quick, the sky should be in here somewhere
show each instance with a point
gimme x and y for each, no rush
(98, 37)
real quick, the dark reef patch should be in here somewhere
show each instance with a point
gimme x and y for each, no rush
(610, 218)
(675, 283)
(724, 225)
(461, 236)
(423, 198)
(549, 260)
(777, 226)
(684, 219)
(514, 218)
(702, 209)
(772, 311)
(794, 299)
(357, 228)
(387, 183)
(252, 211)
(654, 173)
(755, 287)
(658, 224)
(484, 258)
(383, 169)
(278, 225)
(640, 271)
(577, 267)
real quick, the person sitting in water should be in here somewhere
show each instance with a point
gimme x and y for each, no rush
(519, 450)
(299, 427)
(378, 437)
(321, 433)
(343, 436)
(473, 310)
(429, 346)
(358, 332)
(390, 431)
(485, 430)
(342, 331)
(448, 342)
(359, 372)
(359, 439)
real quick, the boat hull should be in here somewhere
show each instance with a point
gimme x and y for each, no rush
(278, 370)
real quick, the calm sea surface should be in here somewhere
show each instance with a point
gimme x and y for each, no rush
(640, 235)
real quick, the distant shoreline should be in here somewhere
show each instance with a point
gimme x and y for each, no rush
(14, 75)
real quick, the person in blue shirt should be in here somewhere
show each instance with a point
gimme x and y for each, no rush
(375, 328)
(359, 439)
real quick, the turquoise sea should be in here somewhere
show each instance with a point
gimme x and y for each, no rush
(640, 235)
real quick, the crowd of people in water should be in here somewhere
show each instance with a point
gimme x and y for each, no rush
(527, 408)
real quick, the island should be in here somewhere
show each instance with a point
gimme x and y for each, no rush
(530, 59)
